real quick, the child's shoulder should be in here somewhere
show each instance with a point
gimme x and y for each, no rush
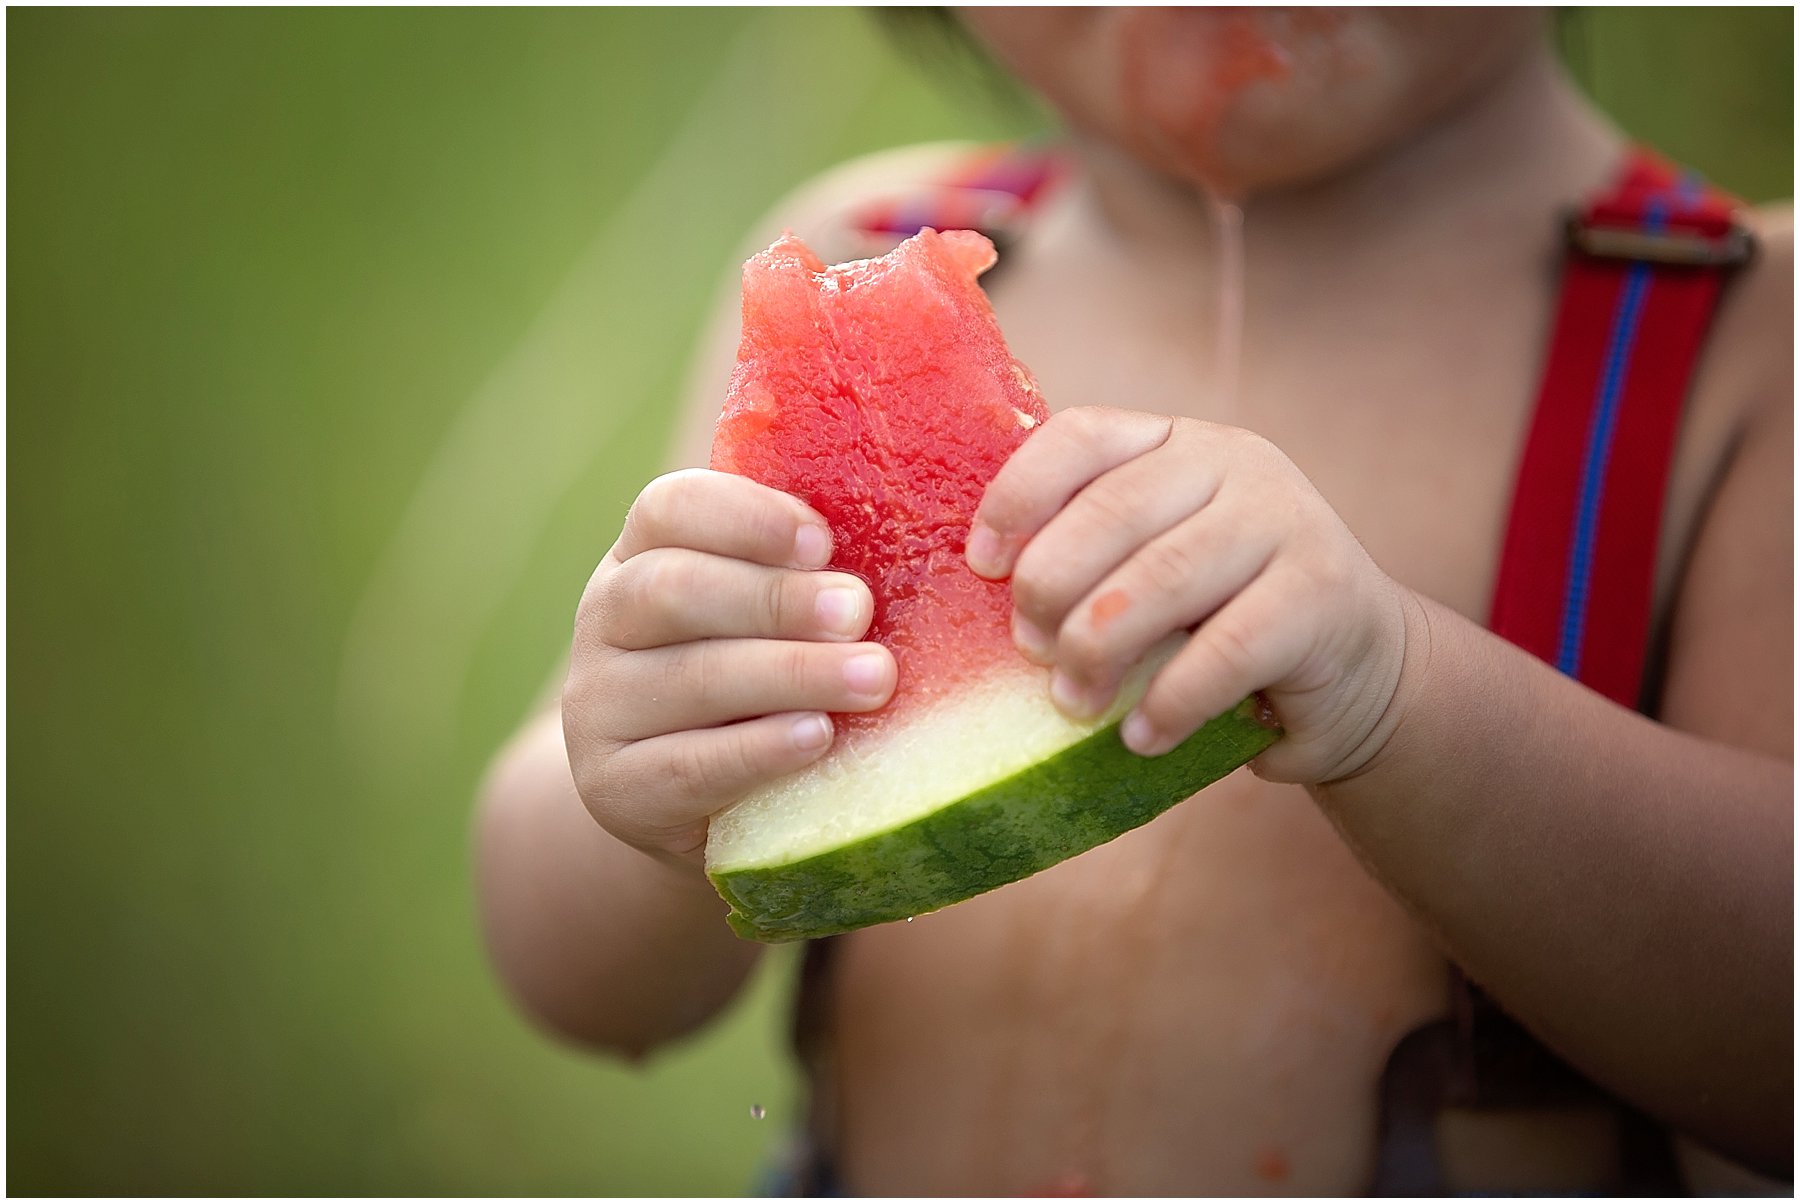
(821, 211)
(1750, 363)
(1768, 280)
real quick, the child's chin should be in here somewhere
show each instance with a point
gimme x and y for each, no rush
(1241, 100)
(1242, 159)
(1248, 101)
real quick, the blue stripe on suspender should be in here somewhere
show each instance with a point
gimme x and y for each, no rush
(1599, 448)
(1688, 191)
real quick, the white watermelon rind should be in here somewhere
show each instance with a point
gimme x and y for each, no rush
(1091, 792)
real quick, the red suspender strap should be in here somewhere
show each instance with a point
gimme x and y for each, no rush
(1645, 266)
(991, 190)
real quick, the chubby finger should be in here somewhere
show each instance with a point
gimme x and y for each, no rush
(710, 682)
(676, 595)
(691, 775)
(1051, 466)
(727, 515)
(1170, 584)
(1247, 645)
(1101, 528)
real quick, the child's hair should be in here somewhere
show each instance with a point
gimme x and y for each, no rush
(932, 37)
(926, 31)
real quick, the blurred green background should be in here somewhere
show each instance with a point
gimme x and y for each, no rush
(339, 342)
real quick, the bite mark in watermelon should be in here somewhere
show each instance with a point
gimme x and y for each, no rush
(882, 393)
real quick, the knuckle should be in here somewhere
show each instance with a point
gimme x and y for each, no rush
(696, 768)
(655, 501)
(1169, 701)
(573, 696)
(1036, 591)
(1110, 504)
(593, 787)
(597, 787)
(735, 757)
(796, 669)
(775, 518)
(780, 602)
(1076, 421)
(644, 589)
(711, 770)
(1167, 565)
(1004, 500)
(686, 839)
(1084, 424)
(1232, 645)
(653, 808)
(1113, 501)
(684, 673)
(593, 612)
(661, 579)
(1081, 649)
(599, 635)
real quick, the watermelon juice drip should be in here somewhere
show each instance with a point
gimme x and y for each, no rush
(882, 393)
(1228, 298)
(1185, 70)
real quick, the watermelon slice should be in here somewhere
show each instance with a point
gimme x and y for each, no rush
(882, 394)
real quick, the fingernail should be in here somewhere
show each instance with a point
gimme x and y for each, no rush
(811, 733)
(1070, 698)
(1139, 735)
(812, 546)
(983, 551)
(866, 673)
(1030, 638)
(839, 610)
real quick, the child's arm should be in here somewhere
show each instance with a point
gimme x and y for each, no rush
(1626, 887)
(699, 644)
(599, 943)
(707, 649)
(1622, 886)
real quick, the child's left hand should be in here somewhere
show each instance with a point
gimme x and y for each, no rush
(1119, 528)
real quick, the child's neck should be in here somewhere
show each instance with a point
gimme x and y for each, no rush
(1525, 145)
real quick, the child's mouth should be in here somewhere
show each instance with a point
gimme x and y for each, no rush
(1184, 69)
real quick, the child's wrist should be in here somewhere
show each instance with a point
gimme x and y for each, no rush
(1395, 731)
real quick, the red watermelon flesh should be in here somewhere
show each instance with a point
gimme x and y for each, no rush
(881, 393)
(828, 355)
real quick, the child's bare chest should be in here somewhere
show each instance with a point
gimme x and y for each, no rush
(1206, 1004)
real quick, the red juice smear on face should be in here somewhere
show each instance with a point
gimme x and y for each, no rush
(1245, 54)
(1183, 69)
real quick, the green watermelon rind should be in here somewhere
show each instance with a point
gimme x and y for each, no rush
(1092, 792)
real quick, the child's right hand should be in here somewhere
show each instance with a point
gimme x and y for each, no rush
(708, 649)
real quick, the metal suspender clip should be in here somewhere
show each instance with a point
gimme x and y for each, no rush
(1682, 248)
